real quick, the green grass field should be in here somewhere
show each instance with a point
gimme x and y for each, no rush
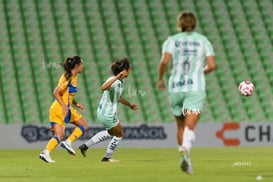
(141, 165)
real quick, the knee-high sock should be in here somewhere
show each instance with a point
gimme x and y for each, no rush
(188, 139)
(112, 146)
(52, 144)
(77, 133)
(99, 137)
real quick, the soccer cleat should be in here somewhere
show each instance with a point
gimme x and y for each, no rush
(83, 148)
(185, 162)
(105, 159)
(68, 148)
(46, 157)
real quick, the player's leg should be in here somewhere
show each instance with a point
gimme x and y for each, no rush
(53, 142)
(108, 123)
(97, 138)
(82, 126)
(180, 131)
(191, 120)
(189, 134)
(176, 103)
(193, 105)
(117, 134)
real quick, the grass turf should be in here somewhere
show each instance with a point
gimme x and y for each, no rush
(145, 165)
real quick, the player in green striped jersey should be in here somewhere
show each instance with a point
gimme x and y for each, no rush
(189, 51)
(107, 110)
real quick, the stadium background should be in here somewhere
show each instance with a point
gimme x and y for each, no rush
(37, 35)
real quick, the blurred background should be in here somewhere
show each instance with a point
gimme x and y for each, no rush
(37, 35)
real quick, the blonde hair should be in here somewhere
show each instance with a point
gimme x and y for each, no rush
(186, 21)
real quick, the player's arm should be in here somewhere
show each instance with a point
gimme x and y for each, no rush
(211, 65)
(74, 102)
(127, 103)
(106, 85)
(58, 96)
(162, 69)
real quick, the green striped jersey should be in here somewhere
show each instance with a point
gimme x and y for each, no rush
(188, 51)
(110, 98)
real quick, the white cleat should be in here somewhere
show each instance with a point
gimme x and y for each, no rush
(68, 148)
(46, 157)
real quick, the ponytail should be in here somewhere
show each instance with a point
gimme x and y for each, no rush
(69, 64)
(120, 65)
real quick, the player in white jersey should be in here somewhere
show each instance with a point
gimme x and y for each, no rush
(192, 56)
(107, 110)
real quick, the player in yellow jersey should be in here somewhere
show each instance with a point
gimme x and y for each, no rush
(61, 111)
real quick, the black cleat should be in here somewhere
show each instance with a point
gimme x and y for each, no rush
(83, 149)
(105, 159)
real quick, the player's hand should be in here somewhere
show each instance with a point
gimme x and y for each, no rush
(134, 107)
(161, 84)
(80, 106)
(64, 110)
(122, 74)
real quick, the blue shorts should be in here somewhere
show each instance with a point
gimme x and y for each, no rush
(182, 102)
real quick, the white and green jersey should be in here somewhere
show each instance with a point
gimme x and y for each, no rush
(110, 98)
(188, 51)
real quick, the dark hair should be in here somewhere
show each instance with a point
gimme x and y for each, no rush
(69, 64)
(119, 65)
(186, 21)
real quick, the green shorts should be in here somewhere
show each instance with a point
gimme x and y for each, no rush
(182, 102)
(108, 121)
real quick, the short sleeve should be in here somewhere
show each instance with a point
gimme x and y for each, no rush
(168, 46)
(116, 84)
(117, 87)
(209, 48)
(63, 83)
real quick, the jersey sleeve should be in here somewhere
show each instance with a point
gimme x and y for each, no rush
(63, 83)
(117, 87)
(168, 46)
(209, 48)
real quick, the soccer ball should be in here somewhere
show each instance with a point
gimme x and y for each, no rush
(246, 88)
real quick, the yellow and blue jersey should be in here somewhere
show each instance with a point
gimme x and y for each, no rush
(69, 90)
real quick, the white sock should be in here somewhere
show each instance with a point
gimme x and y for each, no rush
(68, 141)
(99, 137)
(112, 146)
(188, 139)
(45, 151)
